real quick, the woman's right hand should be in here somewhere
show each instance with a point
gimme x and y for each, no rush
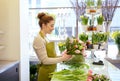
(66, 56)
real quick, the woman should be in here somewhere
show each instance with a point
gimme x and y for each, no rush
(45, 50)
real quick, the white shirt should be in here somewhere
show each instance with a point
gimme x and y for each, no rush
(39, 45)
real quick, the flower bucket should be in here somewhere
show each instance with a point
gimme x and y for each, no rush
(95, 47)
(99, 28)
(84, 27)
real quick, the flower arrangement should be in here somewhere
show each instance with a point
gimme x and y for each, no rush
(96, 77)
(74, 46)
(84, 20)
(100, 20)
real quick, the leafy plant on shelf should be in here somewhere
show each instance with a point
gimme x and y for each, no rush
(83, 37)
(99, 3)
(99, 37)
(100, 20)
(84, 20)
(116, 36)
(89, 3)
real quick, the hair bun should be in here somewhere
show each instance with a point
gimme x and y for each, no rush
(40, 15)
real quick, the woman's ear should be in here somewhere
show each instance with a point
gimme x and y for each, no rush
(43, 25)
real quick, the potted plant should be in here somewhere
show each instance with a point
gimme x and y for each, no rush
(83, 37)
(99, 3)
(100, 21)
(98, 38)
(84, 22)
(116, 36)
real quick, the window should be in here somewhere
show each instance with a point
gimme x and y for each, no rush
(65, 18)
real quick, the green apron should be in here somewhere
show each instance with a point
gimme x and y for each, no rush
(45, 70)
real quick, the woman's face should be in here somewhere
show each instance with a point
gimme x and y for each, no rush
(49, 27)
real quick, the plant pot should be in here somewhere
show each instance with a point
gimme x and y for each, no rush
(95, 46)
(99, 28)
(84, 27)
(118, 45)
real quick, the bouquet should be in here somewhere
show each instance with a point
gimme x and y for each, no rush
(74, 46)
(96, 77)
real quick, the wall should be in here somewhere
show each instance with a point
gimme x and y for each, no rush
(9, 24)
(14, 24)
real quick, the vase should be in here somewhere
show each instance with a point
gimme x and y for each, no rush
(95, 46)
(84, 27)
(99, 28)
(118, 46)
(118, 54)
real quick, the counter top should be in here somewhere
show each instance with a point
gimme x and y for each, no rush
(6, 64)
(107, 69)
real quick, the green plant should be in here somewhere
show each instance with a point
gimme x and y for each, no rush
(100, 20)
(99, 37)
(99, 3)
(83, 37)
(116, 36)
(33, 72)
(89, 3)
(84, 20)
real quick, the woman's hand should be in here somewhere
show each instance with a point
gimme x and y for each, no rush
(66, 56)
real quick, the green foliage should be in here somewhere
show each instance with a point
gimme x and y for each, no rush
(100, 20)
(99, 37)
(33, 72)
(89, 3)
(116, 37)
(71, 75)
(99, 3)
(84, 20)
(83, 37)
